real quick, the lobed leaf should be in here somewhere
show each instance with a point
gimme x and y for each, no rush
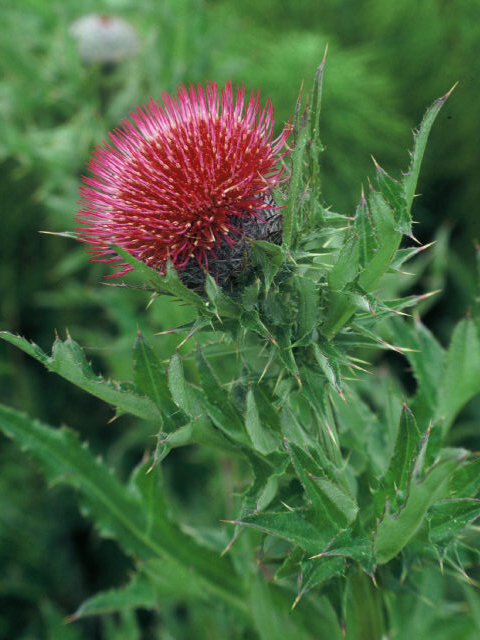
(138, 592)
(403, 458)
(447, 518)
(68, 361)
(263, 439)
(214, 399)
(135, 516)
(333, 507)
(315, 572)
(287, 525)
(461, 378)
(394, 532)
(394, 195)
(427, 358)
(169, 282)
(410, 179)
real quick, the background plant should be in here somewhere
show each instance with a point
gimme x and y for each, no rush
(54, 111)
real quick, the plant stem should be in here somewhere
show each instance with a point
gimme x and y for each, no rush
(365, 618)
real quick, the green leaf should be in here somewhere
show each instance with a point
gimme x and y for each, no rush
(221, 302)
(137, 593)
(314, 111)
(214, 399)
(295, 188)
(308, 316)
(314, 572)
(393, 192)
(327, 368)
(420, 141)
(465, 482)
(271, 617)
(268, 257)
(263, 439)
(283, 338)
(288, 525)
(181, 394)
(427, 359)
(69, 361)
(388, 240)
(171, 581)
(448, 517)
(461, 379)
(151, 380)
(63, 459)
(348, 263)
(333, 507)
(354, 546)
(250, 320)
(341, 304)
(364, 614)
(168, 283)
(395, 531)
(365, 232)
(403, 458)
(135, 516)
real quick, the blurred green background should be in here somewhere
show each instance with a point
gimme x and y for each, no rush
(387, 61)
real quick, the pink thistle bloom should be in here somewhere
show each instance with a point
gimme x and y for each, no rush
(183, 179)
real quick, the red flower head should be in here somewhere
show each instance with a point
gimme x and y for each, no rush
(184, 180)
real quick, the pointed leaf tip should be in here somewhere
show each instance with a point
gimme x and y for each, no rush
(448, 94)
(322, 64)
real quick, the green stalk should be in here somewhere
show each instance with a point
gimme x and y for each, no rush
(365, 618)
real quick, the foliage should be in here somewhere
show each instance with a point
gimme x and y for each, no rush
(350, 491)
(264, 416)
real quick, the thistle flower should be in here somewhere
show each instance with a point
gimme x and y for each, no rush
(187, 179)
(104, 39)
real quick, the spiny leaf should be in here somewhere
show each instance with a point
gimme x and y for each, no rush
(393, 192)
(292, 208)
(135, 516)
(406, 445)
(465, 482)
(214, 399)
(69, 361)
(283, 340)
(177, 384)
(315, 572)
(268, 257)
(354, 545)
(168, 283)
(461, 380)
(427, 359)
(448, 517)
(263, 439)
(250, 320)
(388, 240)
(221, 303)
(136, 593)
(333, 507)
(366, 233)
(288, 525)
(348, 263)
(420, 141)
(327, 367)
(308, 316)
(394, 532)
(150, 378)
